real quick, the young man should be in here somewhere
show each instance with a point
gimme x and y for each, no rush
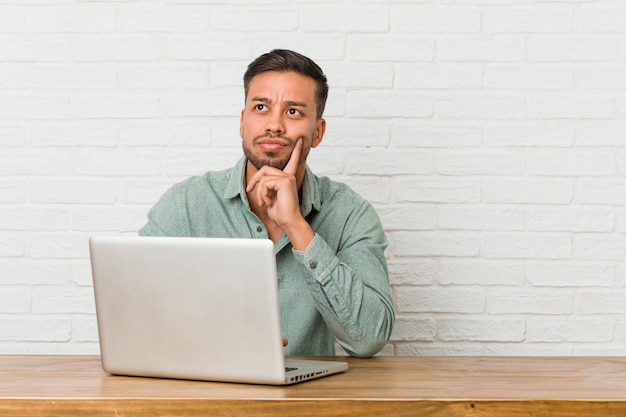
(329, 243)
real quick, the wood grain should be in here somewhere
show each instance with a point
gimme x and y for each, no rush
(390, 386)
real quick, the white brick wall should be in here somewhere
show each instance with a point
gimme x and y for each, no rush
(489, 135)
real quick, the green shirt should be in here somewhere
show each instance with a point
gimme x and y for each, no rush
(337, 289)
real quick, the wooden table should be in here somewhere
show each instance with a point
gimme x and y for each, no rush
(385, 386)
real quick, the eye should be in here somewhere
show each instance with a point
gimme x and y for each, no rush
(293, 112)
(260, 107)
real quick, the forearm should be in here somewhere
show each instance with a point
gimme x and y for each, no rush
(353, 297)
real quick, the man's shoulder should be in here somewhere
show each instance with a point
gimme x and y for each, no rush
(208, 179)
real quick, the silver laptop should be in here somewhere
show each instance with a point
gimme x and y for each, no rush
(193, 308)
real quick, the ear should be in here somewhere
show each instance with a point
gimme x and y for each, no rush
(320, 129)
(241, 123)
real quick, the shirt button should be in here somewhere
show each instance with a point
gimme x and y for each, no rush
(259, 229)
(313, 265)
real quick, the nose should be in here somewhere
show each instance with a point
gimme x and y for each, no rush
(275, 125)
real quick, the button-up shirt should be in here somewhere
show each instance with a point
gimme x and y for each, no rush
(337, 289)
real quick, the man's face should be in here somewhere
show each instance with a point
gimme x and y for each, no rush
(280, 109)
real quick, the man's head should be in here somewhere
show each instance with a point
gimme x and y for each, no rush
(283, 60)
(285, 97)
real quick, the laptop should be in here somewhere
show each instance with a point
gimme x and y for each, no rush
(193, 308)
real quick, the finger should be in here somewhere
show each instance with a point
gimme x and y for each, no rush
(285, 341)
(294, 160)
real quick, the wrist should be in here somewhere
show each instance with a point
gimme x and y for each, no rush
(300, 234)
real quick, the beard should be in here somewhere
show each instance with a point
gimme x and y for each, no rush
(271, 159)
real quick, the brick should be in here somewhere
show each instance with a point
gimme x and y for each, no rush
(115, 47)
(408, 217)
(412, 134)
(489, 107)
(464, 217)
(609, 191)
(12, 75)
(57, 245)
(439, 76)
(528, 77)
(195, 162)
(76, 191)
(429, 19)
(437, 300)
(84, 329)
(253, 19)
(327, 161)
(67, 77)
(367, 75)
(74, 133)
(16, 300)
(412, 329)
(350, 19)
(482, 48)
(479, 162)
(487, 330)
(11, 19)
(34, 106)
(194, 103)
(480, 272)
(453, 244)
(166, 132)
(574, 219)
(13, 136)
(570, 274)
(535, 19)
(33, 218)
(63, 301)
(568, 329)
(34, 272)
(116, 105)
(578, 163)
(391, 47)
(526, 246)
(571, 107)
(416, 272)
(35, 329)
(435, 190)
(35, 48)
(605, 301)
(354, 132)
(601, 134)
(528, 191)
(71, 19)
(603, 77)
(12, 191)
(373, 189)
(203, 47)
(571, 49)
(376, 104)
(600, 19)
(108, 218)
(529, 134)
(12, 245)
(20, 161)
(377, 161)
(534, 301)
(151, 76)
(154, 18)
(116, 162)
(599, 247)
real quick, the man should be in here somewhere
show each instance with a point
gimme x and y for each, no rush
(329, 243)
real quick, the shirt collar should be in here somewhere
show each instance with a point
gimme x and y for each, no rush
(311, 194)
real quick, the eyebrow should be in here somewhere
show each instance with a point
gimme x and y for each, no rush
(289, 103)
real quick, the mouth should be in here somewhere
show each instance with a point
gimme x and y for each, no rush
(272, 144)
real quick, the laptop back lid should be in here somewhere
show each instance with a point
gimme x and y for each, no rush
(190, 308)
